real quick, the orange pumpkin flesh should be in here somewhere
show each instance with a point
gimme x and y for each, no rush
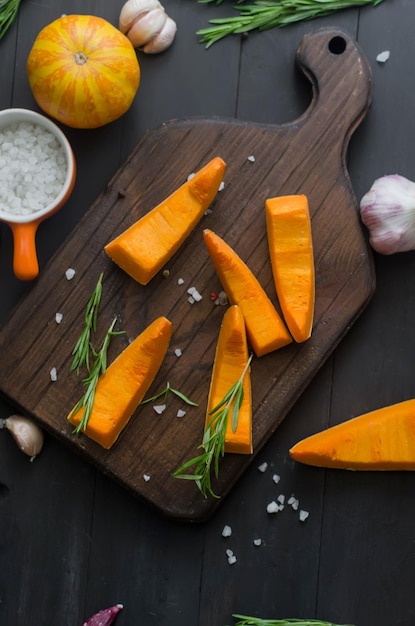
(83, 71)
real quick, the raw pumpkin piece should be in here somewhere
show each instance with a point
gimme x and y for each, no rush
(292, 260)
(265, 328)
(383, 439)
(231, 358)
(144, 248)
(124, 383)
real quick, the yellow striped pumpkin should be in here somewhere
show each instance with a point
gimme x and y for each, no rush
(83, 71)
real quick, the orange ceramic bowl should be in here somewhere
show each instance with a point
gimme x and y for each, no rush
(24, 226)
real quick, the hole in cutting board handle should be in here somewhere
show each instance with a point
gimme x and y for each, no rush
(337, 45)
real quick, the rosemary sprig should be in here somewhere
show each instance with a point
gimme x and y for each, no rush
(90, 382)
(8, 13)
(244, 620)
(265, 14)
(213, 441)
(81, 350)
(165, 393)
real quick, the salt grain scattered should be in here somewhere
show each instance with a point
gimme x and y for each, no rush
(273, 507)
(276, 478)
(32, 168)
(53, 374)
(293, 502)
(222, 299)
(227, 531)
(257, 542)
(70, 273)
(221, 186)
(191, 176)
(303, 515)
(231, 557)
(191, 299)
(193, 292)
(181, 413)
(180, 281)
(178, 352)
(263, 467)
(281, 499)
(251, 159)
(58, 318)
(146, 477)
(383, 56)
(159, 408)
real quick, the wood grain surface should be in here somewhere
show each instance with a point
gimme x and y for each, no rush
(305, 156)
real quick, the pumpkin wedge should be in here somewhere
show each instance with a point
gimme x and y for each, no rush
(231, 358)
(124, 383)
(146, 246)
(265, 329)
(291, 253)
(383, 439)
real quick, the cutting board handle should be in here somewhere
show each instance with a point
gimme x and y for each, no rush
(341, 79)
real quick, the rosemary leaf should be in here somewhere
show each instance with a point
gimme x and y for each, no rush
(265, 14)
(81, 350)
(165, 392)
(244, 620)
(213, 441)
(8, 13)
(90, 382)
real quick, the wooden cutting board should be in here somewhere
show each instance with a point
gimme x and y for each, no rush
(306, 156)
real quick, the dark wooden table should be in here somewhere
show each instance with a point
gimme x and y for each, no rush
(71, 540)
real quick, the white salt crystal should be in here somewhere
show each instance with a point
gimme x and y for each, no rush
(221, 186)
(180, 281)
(257, 542)
(293, 502)
(231, 557)
(53, 374)
(178, 352)
(383, 56)
(276, 478)
(222, 299)
(251, 159)
(146, 477)
(159, 408)
(181, 413)
(70, 273)
(263, 467)
(281, 499)
(227, 531)
(191, 299)
(193, 292)
(191, 176)
(272, 507)
(303, 515)
(58, 318)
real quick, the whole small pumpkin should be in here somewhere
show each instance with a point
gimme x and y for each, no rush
(83, 71)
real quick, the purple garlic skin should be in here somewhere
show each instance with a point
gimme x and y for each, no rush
(104, 617)
(388, 211)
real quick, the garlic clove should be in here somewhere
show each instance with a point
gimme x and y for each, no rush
(146, 27)
(27, 435)
(163, 39)
(132, 10)
(388, 211)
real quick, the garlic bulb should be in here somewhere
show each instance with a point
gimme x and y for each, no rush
(147, 25)
(27, 435)
(388, 211)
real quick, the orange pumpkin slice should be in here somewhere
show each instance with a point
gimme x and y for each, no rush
(144, 248)
(291, 252)
(265, 329)
(383, 439)
(231, 358)
(124, 383)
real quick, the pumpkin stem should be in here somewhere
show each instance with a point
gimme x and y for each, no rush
(80, 58)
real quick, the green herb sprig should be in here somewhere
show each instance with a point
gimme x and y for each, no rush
(163, 394)
(8, 13)
(81, 350)
(213, 441)
(266, 14)
(90, 382)
(244, 620)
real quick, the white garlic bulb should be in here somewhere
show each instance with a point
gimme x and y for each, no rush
(388, 211)
(27, 435)
(147, 25)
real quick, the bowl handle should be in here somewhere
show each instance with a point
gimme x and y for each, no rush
(25, 263)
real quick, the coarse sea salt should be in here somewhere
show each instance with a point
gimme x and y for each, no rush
(33, 168)
(227, 531)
